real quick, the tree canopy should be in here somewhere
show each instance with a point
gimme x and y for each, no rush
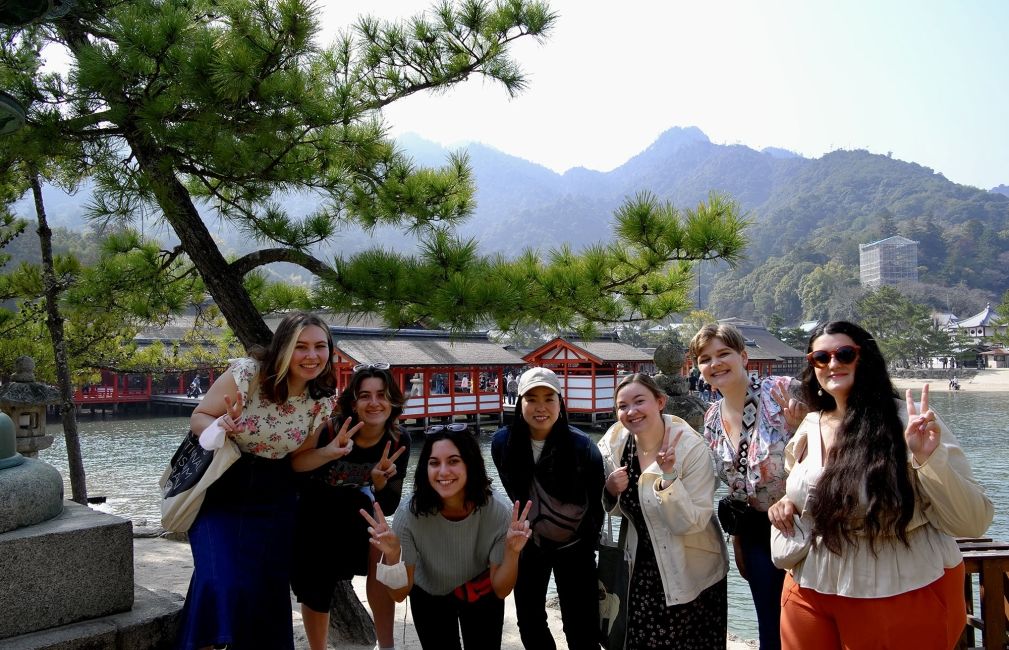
(189, 110)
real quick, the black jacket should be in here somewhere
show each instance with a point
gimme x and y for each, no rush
(569, 469)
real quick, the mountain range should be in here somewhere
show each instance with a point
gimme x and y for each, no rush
(805, 211)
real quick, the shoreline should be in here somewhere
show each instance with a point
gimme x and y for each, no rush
(162, 564)
(989, 380)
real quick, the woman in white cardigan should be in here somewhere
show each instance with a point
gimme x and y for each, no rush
(876, 494)
(660, 477)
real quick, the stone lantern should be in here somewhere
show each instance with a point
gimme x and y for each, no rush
(25, 401)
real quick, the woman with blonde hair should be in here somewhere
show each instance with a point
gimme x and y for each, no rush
(269, 403)
(747, 430)
(659, 477)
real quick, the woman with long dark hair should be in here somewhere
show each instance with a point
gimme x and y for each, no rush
(354, 461)
(660, 478)
(877, 491)
(453, 547)
(542, 459)
(269, 404)
(747, 431)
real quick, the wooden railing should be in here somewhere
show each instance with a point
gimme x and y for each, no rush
(989, 561)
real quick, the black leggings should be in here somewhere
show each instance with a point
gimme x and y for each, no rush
(438, 619)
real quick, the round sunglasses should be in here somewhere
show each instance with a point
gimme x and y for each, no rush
(845, 354)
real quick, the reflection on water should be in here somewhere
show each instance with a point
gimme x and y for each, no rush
(124, 458)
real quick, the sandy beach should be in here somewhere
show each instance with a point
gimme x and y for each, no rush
(994, 380)
(163, 564)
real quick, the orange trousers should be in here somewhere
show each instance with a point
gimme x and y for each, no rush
(930, 617)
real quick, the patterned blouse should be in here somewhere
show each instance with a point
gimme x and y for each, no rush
(275, 430)
(765, 476)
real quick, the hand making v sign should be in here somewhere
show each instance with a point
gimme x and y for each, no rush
(343, 442)
(382, 536)
(385, 468)
(922, 433)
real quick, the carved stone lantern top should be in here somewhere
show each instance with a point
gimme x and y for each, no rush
(23, 390)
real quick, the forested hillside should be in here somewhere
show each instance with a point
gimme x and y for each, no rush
(808, 218)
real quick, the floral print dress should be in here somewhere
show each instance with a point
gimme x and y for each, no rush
(275, 430)
(699, 624)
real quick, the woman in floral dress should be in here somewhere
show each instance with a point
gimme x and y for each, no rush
(659, 476)
(241, 540)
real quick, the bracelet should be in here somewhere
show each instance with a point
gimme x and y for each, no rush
(670, 477)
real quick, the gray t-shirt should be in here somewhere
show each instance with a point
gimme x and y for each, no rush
(445, 554)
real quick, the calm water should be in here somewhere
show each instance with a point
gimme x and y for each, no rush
(124, 458)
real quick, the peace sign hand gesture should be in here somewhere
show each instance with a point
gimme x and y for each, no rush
(231, 421)
(382, 536)
(341, 445)
(922, 433)
(666, 457)
(385, 468)
(792, 409)
(518, 530)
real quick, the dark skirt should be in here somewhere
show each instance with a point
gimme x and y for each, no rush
(330, 523)
(242, 544)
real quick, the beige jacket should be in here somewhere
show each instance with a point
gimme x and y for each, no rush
(685, 535)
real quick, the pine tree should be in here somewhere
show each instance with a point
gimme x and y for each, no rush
(222, 105)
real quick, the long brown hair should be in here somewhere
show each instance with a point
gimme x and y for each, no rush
(868, 462)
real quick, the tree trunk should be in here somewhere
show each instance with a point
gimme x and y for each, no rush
(349, 621)
(78, 485)
(223, 283)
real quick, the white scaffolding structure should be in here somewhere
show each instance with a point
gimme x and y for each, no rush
(889, 261)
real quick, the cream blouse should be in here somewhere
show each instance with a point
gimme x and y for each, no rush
(949, 503)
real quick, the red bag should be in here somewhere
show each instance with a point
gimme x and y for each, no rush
(475, 589)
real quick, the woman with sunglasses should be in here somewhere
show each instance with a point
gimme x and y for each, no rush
(878, 491)
(747, 431)
(542, 459)
(269, 404)
(351, 463)
(659, 477)
(453, 547)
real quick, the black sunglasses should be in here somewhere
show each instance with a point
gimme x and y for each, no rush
(381, 365)
(844, 354)
(438, 428)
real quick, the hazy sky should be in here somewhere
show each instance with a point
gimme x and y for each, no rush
(925, 80)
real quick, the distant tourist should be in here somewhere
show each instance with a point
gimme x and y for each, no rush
(692, 379)
(749, 458)
(541, 458)
(659, 477)
(351, 463)
(512, 388)
(871, 551)
(453, 547)
(239, 595)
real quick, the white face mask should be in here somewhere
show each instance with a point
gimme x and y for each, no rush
(393, 576)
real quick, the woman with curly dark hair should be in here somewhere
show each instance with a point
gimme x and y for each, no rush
(453, 547)
(877, 491)
(357, 459)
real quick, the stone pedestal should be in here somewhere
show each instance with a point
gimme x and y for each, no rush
(151, 625)
(76, 566)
